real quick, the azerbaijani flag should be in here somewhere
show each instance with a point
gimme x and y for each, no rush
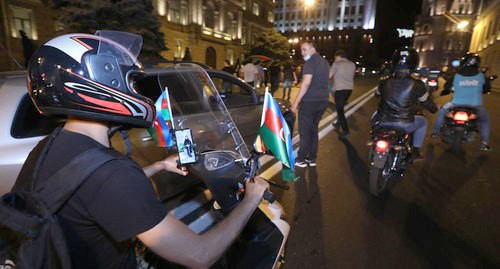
(275, 136)
(163, 123)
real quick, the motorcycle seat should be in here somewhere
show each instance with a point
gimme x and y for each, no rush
(386, 131)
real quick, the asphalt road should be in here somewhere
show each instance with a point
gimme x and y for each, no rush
(444, 213)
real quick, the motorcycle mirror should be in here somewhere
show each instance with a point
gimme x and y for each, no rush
(484, 69)
(493, 77)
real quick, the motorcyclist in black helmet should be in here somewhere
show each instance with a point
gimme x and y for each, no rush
(400, 95)
(91, 80)
(468, 84)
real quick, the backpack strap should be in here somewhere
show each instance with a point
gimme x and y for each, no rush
(57, 189)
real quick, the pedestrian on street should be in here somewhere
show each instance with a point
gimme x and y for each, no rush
(313, 100)
(342, 72)
(249, 73)
(261, 75)
(226, 85)
(275, 76)
(289, 78)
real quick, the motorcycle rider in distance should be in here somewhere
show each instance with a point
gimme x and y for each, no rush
(91, 79)
(468, 85)
(400, 95)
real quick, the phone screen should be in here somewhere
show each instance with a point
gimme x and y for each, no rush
(185, 146)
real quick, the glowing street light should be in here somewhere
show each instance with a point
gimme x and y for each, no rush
(462, 24)
(308, 3)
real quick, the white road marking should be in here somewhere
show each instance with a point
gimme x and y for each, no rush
(356, 104)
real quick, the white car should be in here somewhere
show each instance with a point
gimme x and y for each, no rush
(21, 127)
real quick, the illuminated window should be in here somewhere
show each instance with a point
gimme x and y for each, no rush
(255, 9)
(178, 49)
(270, 16)
(174, 11)
(22, 20)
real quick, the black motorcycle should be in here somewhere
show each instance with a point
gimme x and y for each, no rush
(461, 123)
(460, 126)
(389, 155)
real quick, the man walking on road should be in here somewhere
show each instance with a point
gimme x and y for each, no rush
(342, 72)
(313, 100)
(289, 78)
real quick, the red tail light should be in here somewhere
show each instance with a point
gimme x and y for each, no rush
(382, 146)
(460, 117)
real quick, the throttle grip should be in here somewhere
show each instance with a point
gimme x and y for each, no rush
(269, 196)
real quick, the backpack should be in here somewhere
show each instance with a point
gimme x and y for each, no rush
(30, 234)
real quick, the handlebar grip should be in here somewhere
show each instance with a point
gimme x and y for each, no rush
(269, 196)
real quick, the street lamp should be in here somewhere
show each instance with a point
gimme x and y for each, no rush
(307, 3)
(292, 43)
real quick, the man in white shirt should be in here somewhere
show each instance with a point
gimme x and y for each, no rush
(250, 73)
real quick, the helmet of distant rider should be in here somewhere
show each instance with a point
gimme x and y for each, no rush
(92, 77)
(405, 59)
(470, 60)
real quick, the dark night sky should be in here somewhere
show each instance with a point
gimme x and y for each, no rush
(392, 14)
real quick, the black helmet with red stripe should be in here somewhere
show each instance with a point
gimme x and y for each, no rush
(91, 77)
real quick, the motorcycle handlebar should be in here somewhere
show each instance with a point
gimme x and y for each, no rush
(254, 162)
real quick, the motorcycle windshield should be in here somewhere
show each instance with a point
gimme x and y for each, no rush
(197, 105)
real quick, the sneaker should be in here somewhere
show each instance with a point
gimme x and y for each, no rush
(311, 163)
(434, 135)
(300, 163)
(336, 126)
(485, 147)
(415, 155)
(344, 134)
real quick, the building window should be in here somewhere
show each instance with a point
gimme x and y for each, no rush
(174, 11)
(22, 20)
(230, 56)
(178, 49)
(209, 17)
(270, 16)
(255, 9)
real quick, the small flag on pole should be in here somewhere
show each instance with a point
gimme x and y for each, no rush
(163, 124)
(275, 136)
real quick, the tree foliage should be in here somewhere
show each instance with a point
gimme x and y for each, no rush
(271, 44)
(135, 16)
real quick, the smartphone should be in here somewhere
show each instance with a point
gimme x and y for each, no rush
(185, 146)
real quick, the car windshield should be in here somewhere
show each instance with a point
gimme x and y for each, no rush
(196, 104)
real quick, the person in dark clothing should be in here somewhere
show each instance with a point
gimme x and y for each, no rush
(313, 99)
(226, 85)
(289, 79)
(275, 76)
(116, 203)
(469, 84)
(400, 95)
(27, 47)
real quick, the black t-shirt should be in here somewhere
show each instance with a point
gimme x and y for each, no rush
(288, 73)
(114, 204)
(229, 69)
(319, 69)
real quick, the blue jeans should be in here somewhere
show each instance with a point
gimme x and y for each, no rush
(484, 121)
(287, 85)
(418, 127)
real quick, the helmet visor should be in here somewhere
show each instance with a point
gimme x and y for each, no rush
(125, 49)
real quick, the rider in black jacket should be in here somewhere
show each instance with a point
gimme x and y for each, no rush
(400, 96)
